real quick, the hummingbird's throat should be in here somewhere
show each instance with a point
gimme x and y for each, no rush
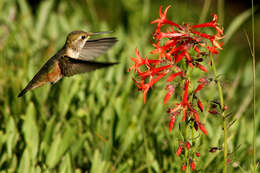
(73, 53)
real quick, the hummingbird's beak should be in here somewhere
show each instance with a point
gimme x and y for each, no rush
(97, 33)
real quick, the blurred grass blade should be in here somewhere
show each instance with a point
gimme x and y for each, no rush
(43, 13)
(11, 136)
(59, 146)
(30, 131)
(236, 24)
(24, 166)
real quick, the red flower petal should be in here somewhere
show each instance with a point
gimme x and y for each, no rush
(183, 168)
(179, 57)
(169, 93)
(185, 96)
(201, 67)
(173, 76)
(213, 111)
(187, 145)
(196, 116)
(202, 128)
(192, 165)
(200, 105)
(171, 124)
(179, 150)
(200, 87)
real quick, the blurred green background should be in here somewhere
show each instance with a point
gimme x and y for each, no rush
(97, 122)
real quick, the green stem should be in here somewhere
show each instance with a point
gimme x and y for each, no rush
(223, 115)
(186, 151)
(254, 88)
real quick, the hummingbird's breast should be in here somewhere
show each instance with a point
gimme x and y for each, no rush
(73, 53)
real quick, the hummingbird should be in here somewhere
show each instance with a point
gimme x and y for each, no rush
(75, 57)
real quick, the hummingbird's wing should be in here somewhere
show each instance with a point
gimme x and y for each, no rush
(96, 47)
(70, 66)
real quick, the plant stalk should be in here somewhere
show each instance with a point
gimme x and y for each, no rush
(222, 114)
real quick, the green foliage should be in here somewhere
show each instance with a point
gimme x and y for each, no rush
(98, 122)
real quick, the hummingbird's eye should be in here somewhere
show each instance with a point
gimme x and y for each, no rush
(83, 37)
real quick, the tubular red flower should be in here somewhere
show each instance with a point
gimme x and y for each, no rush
(198, 154)
(187, 145)
(196, 116)
(192, 165)
(201, 67)
(179, 57)
(200, 87)
(163, 20)
(200, 105)
(213, 111)
(179, 150)
(183, 168)
(185, 96)
(171, 124)
(170, 89)
(173, 76)
(202, 128)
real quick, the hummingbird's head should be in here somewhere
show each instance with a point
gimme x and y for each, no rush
(77, 39)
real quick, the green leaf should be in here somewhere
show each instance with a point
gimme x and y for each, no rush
(11, 136)
(65, 166)
(98, 165)
(43, 13)
(59, 146)
(30, 131)
(24, 166)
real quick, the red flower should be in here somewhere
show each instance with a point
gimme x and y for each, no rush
(139, 61)
(169, 94)
(202, 128)
(163, 19)
(173, 76)
(201, 67)
(185, 96)
(171, 124)
(187, 145)
(200, 87)
(178, 48)
(183, 168)
(200, 105)
(198, 154)
(179, 150)
(192, 165)
(213, 111)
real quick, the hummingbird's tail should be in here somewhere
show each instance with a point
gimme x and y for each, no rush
(38, 80)
(27, 88)
(22, 92)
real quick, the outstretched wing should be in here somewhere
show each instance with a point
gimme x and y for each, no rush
(70, 66)
(96, 47)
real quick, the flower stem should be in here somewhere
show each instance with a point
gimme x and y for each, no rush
(222, 113)
(186, 151)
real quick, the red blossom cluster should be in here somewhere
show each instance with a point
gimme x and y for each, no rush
(179, 49)
(180, 151)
